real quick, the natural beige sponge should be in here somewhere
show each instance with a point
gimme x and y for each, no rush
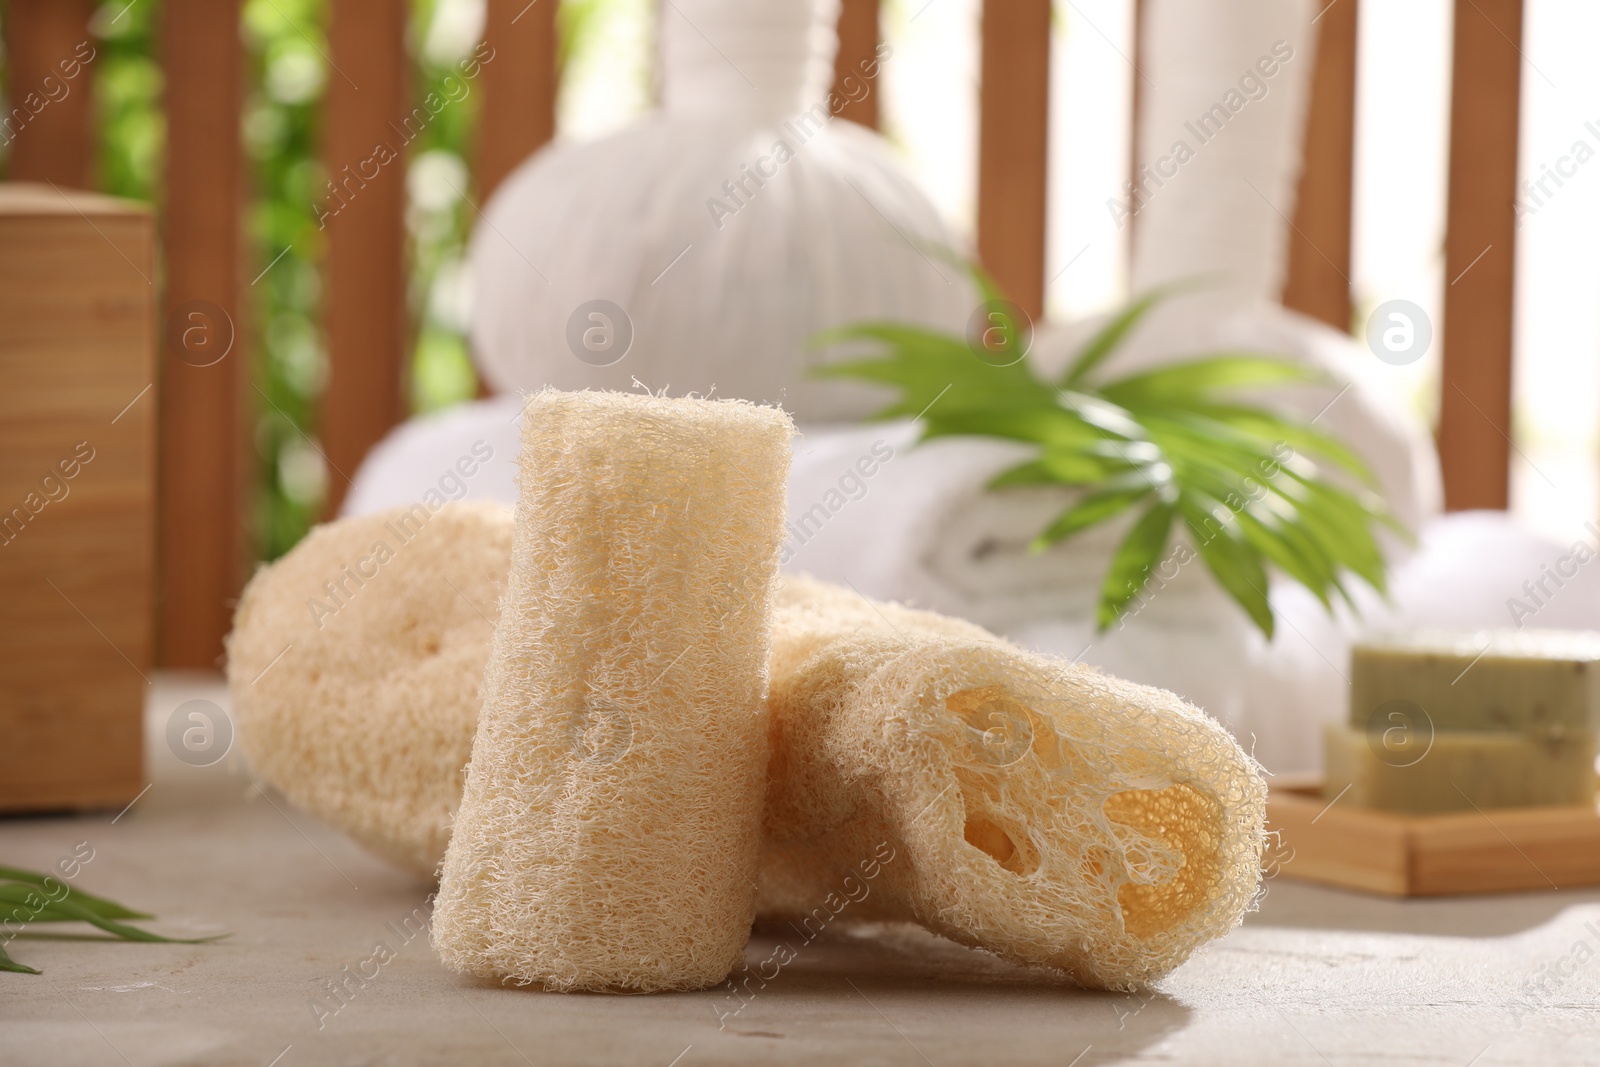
(609, 832)
(1033, 807)
(354, 667)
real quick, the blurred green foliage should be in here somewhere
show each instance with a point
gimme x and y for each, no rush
(286, 69)
(284, 47)
(127, 96)
(438, 214)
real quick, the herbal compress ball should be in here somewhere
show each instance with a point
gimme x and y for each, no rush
(708, 243)
(354, 665)
(1036, 808)
(609, 833)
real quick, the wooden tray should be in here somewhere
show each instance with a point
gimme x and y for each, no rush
(1505, 850)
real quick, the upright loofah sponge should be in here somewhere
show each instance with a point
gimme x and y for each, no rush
(1034, 807)
(608, 836)
(354, 665)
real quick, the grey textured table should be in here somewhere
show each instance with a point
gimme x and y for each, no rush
(1317, 977)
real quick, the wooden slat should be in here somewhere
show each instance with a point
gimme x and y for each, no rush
(202, 533)
(519, 86)
(1136, 106)
(858, 45)
(1013, 146)
(1318, 281)
(49, 92)
(368, 335)
(1480, 255)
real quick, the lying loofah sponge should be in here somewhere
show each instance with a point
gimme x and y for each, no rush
(609, 833)
(1033, 807)
(354, 664)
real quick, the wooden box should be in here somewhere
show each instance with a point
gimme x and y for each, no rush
(1504, 850)
(77, 496)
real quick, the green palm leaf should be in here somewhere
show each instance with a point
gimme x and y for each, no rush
(1105, 342)
(9, 964)
(31, 897)
(1133, 561)
(1253, 489)
(1092, 510)
(108, 909)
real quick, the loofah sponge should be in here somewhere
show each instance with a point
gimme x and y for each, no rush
(1033, 807)
(354, 664)
(609, 832)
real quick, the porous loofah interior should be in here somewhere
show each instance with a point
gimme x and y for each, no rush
(1173, 853)
(1042, 810)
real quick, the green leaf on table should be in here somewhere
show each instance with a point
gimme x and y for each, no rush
(108, 909)
(9, 964)
(27, 905)
(33, 897)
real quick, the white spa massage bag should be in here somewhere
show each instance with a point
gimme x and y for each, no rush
(720, 232)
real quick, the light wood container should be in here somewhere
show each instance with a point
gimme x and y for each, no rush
(77, 496)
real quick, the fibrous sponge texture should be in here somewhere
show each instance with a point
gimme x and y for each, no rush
(354, 667)
(1041, 809)
(609, 832)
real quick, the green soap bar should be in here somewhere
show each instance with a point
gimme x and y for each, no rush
(1417, 774)
(1542, 683)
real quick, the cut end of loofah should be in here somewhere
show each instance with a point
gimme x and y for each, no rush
(608, 836)
(1040, 809)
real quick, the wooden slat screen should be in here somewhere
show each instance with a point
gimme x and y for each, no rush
(858, 44)
(1013, 147)
(1318, 282)
(367, 108)
(519, 86)
(49, 136)
(201, 531)
(1480, 255)
(1136, 104)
